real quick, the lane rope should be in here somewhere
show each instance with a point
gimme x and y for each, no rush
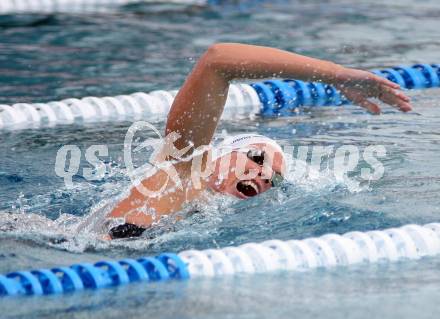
(331, 250)
(271, 98)
(81, 6)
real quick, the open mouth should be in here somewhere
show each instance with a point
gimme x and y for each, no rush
(247, 188)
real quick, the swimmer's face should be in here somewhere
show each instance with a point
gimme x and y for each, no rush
(248, 172)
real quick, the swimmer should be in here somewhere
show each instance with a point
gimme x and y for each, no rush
(196, 112)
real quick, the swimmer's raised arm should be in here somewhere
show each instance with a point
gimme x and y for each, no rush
(198, 107)
(199, 104)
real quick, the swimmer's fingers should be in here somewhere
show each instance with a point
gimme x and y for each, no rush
(370, 106)
(362, 100)
(386, 82)
(395, 98)
(359, 86)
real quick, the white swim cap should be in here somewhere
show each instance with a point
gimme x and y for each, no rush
(236, 142)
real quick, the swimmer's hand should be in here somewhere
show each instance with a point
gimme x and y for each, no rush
(360, 86)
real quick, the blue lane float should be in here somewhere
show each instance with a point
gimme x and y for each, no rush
(277, 97)
(270, 98)
(394, 244)
(87, 276)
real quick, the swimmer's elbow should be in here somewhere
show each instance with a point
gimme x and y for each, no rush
(214, 51)
(215, 58)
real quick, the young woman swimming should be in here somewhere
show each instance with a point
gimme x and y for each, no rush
(254, 163)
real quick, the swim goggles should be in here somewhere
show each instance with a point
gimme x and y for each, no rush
(258, 156)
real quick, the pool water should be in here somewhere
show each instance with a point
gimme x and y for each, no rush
(148, 47)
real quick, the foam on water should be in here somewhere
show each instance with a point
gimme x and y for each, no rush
(83, 233)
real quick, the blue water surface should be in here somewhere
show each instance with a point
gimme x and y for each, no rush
(148, 47)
